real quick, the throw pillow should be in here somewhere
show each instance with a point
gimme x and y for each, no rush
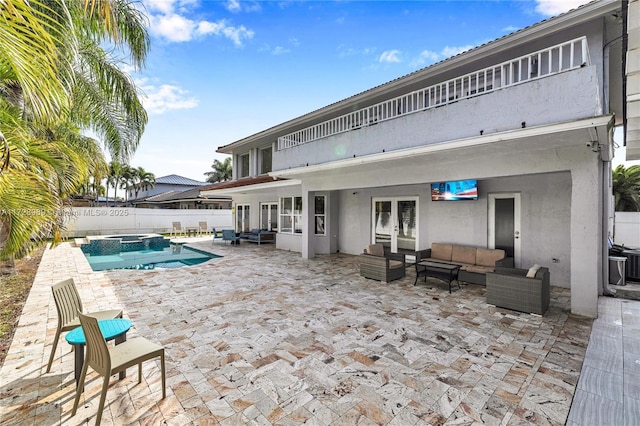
(533, 270)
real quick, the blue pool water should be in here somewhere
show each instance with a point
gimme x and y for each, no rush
(175, 256)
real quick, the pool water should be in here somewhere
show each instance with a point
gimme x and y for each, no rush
(175, 256)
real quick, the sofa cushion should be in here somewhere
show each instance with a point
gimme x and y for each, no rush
(393, 264)
(463, 254)
(479, 269)
(441, 251)
(375, 250)
(488, 257)
(531, 273)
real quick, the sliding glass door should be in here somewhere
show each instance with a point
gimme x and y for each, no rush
(395, 222)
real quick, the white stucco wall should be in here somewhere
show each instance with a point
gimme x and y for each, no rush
(545, 215)
(574, 95)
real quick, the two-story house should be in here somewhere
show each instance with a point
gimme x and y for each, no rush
(527, 120)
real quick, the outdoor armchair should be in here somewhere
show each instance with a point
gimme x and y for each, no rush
(107, 362)
(176, 228)
(378, 265)
(229, 235)
(68, 304)
(217, 235)
(203, 228)
(510, 288)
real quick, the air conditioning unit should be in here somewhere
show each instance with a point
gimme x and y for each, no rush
(633, 264)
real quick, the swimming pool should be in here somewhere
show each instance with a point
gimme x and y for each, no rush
(175, 256)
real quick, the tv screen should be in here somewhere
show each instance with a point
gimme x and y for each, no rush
(455, 190)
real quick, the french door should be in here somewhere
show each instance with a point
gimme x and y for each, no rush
(395, 222)
(504, 224)
(242, 218)
(269, 216)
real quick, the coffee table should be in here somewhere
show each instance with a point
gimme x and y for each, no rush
(110, 328)
(443, 271)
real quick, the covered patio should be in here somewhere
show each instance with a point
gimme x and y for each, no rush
(264, 336)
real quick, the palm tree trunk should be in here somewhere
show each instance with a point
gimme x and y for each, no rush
(7, 267)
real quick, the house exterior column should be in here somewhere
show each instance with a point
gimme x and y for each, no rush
(586, 239)
(308, 199)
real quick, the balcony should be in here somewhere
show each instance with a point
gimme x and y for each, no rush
(543, 63)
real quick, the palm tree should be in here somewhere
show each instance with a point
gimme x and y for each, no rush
(145, 181)
(222, 171)
(626, 188)
(55, 80)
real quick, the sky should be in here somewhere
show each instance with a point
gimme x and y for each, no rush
(219, 71)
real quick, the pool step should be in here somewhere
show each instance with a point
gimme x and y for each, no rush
(80, 241)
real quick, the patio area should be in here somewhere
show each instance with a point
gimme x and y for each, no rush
(262, 336)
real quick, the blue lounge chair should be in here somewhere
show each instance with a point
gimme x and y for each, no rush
(217, 235)
(229, 235)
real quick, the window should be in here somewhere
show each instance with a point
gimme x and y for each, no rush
(244, 165)
(265, 160)
(291, 215)
(320, 216)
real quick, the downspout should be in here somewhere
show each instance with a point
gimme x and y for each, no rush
(606, 212)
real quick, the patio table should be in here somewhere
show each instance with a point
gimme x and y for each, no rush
(443, 271)
(111, 329)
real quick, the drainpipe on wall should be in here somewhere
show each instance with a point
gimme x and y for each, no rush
(606, 231)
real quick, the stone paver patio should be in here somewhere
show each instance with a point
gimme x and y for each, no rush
(262, 336)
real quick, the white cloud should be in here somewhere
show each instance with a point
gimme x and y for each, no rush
(169, 20)
(556, 7)
(449, 51)
(279, 50)
(390, 56)
(425, 57)
(165, 97)
(236, 6)
(510, 29)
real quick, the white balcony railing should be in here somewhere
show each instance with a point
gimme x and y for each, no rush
(552, 60)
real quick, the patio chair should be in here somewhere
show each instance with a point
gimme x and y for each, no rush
(107, 362)
(229, 235)
(176, 228)
(203, 228)
(68, 304)
(519, 289)
(378, 265)
(216, 235)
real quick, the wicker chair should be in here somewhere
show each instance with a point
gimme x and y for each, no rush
(378, 265)
(510, 288)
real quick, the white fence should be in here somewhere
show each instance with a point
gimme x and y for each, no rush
(83, 221)
(627, 229)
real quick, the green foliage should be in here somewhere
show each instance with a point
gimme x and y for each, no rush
(626, 188)
(58, 76)
(221, 172)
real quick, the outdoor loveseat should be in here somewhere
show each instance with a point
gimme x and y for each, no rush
(475, 262)
(259, 236)
(379, 265)
(519, 289)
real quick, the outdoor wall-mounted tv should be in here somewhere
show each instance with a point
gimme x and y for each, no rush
(455, 190)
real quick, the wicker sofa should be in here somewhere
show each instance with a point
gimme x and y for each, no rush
(475, 262)
(510, 288)
(378, 265)
(259, 236)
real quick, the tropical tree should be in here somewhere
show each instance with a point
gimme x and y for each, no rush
(222, 171)
(144, 181)
(626, 188)
(55, 80)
